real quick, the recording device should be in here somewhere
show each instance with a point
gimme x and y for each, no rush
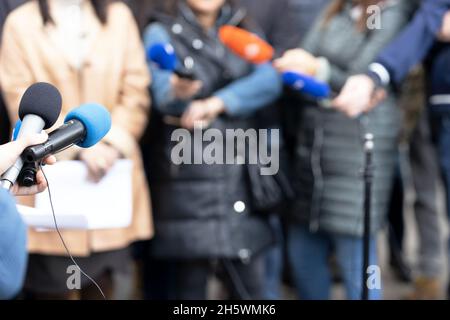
(84, 127)
(255, 50)
(39, 109)
(164, 56)
(307, 85)
(246, 45)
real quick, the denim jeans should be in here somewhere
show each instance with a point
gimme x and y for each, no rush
(274, 263)
(309, 258)
(440, 122)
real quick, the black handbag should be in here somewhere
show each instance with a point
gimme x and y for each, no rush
(269, 192)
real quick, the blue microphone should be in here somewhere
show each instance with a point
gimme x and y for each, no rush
(163, 55)
(16, 130)
(85, 126)
(306, 84)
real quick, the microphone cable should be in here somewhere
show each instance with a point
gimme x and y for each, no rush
(62, 239)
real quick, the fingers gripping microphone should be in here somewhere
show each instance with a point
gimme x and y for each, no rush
(39, 109)
(307, 85)
(84, 127)
(246, 45)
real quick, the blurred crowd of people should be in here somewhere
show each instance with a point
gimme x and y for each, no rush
(193, 222)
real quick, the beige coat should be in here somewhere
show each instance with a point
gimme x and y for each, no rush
(114, 74)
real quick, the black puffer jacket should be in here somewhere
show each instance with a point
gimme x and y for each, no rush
(194, 205)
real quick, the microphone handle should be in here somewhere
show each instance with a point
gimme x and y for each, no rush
(30, 124)
(69, 134)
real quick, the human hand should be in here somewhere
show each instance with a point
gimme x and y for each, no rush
(202, 112)
(358, 96)
(297, 60)
(444, 34)
(10, 152)
(99, 160)
(184, 89)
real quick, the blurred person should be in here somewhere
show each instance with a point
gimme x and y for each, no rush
(91, 51)
(13, 251)
(420, 154)
(6, 7)
(439, 111)
(285, 23)
(430, 23)
(426, 175)
(328, 211)
(281, 33)
(143, 10)
(203, 214)
(425, 39)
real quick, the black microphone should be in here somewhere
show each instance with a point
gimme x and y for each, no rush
(84, 127)
(39, 109)
(62, 138)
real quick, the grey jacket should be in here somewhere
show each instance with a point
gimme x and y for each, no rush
(329, 155)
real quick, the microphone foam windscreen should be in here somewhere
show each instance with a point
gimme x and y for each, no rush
(163, 54)
(246, 45)
(307, 84)
(43, 100)
(96, 120)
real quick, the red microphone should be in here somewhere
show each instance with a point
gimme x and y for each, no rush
(246, 45)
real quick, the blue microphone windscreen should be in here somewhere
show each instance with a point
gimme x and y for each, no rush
(16, 130)
(44, 100)
(307, 85)
(163, 54)
(96, 120)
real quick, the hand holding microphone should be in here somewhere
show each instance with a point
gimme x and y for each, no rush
(184, 86)
(185, 89)
(298, 67)
(10, 152)
(85, 126)
(359, 95)
(39, 109)
(298, 61)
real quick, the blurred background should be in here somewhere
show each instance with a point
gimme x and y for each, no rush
(221, 231)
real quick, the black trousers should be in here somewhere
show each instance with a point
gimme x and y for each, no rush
(243, 280)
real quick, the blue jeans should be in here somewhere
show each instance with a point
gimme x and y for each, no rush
(440, 123)
(274, 263)
(309, 258)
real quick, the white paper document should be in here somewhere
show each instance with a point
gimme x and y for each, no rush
(80, 203)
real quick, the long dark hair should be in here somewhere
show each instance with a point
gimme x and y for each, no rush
(100, 7)
(338, 5)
